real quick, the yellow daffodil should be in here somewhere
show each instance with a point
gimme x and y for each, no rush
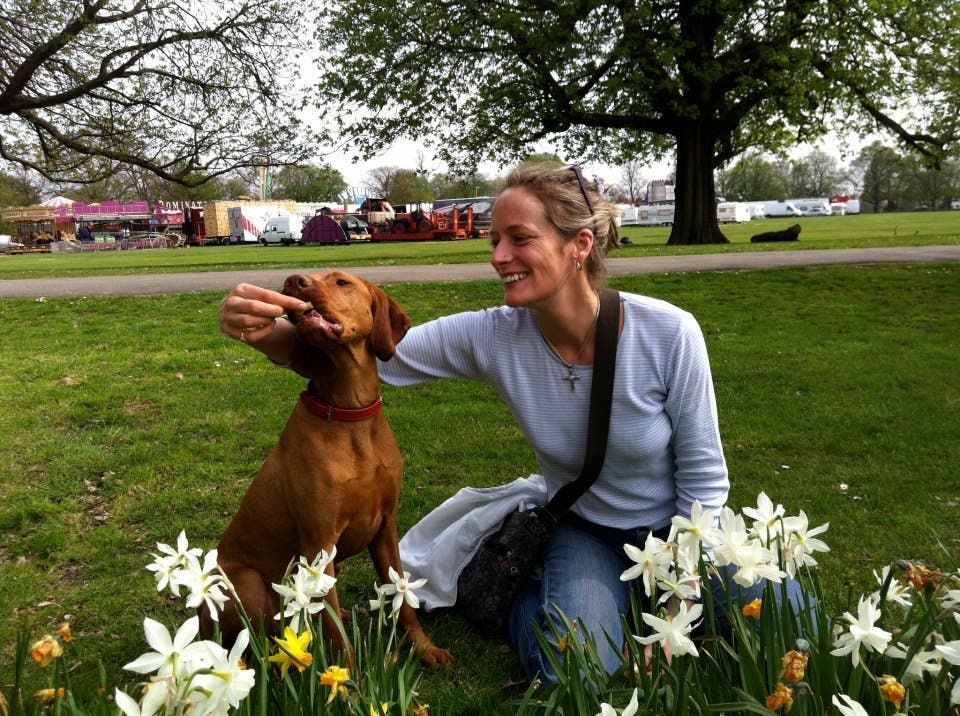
(293, 651)
(782, 697)
(47, 696)
(794, 666)
(64, 633)
(892, 690)
(752, 609)
(46, 650)
(335, 677)
(384, 708)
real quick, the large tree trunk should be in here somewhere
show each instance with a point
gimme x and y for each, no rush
(695, 218)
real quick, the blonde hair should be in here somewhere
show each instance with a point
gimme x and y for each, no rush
(569, 209)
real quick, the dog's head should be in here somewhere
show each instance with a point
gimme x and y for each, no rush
(345, 311)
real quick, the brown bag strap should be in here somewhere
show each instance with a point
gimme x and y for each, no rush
(601, 393)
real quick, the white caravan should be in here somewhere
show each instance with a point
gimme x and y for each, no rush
(733, 211)
(654, 215)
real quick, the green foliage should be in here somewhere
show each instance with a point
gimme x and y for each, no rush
(305, 182)
(612, 81)
(187, 95)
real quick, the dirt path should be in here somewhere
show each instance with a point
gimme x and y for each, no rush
(223, 281)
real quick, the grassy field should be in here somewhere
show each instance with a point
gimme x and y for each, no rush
(864, 230)
(127, 419)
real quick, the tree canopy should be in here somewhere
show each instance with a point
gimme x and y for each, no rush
(307, 182)
(183, 88)
(612, 80)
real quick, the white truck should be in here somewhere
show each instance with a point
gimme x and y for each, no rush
(247, 223)
(774, 209)
(733, 211)
(283, 230)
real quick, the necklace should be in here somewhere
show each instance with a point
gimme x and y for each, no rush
(571, 378)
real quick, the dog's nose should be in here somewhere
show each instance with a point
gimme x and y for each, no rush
(296, 283)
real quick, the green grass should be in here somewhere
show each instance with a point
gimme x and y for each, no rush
(128, 419)
(864, 230)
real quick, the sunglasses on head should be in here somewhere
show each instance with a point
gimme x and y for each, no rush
(575, 168)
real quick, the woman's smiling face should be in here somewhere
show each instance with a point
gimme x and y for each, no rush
(530, 256)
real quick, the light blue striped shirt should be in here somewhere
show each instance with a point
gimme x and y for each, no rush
(664, 449)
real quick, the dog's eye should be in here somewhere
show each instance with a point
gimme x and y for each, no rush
(342, 282)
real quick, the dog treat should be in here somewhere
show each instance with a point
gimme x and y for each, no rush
(295, 315)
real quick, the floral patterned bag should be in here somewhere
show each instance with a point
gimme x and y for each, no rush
(489, 584)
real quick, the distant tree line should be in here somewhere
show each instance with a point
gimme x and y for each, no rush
(885, 178)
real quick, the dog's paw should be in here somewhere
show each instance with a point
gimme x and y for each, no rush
(435, 657)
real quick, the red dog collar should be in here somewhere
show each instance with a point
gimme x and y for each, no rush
(330, 412)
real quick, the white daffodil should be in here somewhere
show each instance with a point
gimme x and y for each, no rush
(651, 562)
(951, 600)
(950, 651)
(699, 528)
(402, 589)
(300, 597)
(767, 522)
(848, 707)
(156, 694)
(630, 710)
(226, 681)
(166, 565)
(896, 592)
(801, 543)
(674, 631)
(754, 562)
(922, 663)
(206, 584)
(731, 537)
(319, 581)
(863, 630)
(683, 586)
(167, 653)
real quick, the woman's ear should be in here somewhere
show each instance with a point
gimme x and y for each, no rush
(584, 244)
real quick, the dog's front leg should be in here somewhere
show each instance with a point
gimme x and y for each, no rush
(385, 552)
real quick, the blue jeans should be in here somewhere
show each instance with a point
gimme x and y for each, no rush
(581, 576)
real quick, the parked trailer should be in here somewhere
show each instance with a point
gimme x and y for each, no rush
(651, 215)
(733, 211)
(216, 220)
(247, 223)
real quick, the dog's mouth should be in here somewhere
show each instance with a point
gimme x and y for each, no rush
(311, 318)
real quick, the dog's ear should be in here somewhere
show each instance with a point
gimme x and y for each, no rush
(390, 323)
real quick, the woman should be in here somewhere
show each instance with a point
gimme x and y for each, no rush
(550, 232)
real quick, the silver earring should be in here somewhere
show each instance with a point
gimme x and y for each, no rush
(579, 266)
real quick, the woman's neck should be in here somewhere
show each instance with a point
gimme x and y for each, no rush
(568, 322)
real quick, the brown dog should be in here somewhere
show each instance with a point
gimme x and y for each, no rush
(333, 480)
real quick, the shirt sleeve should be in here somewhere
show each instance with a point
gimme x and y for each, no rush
(449, 347)
(701, 470)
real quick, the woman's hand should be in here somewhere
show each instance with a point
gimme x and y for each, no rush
(250, 314)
